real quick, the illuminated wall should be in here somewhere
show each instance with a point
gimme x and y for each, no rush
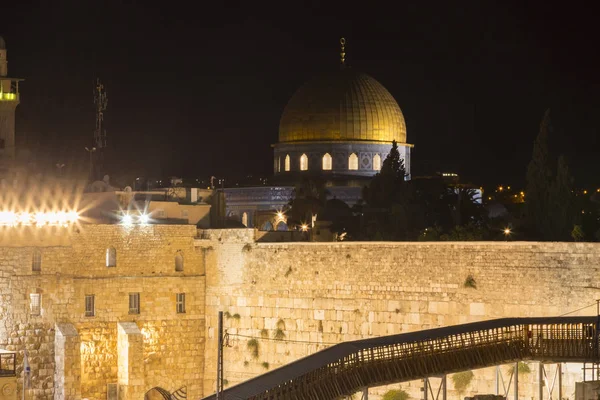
(73, 265)
(314, 294)
(311, 293)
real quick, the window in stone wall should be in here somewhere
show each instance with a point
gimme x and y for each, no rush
(287, 163)
(377, 162)
(111, 257)
(134, 303)
(353, 162)
(35, 303)
(179, 262)
(180, 301)
(36, 261)
(303, 162)
(245, 219)
(327, 162)
(112, 391)
(90, 309)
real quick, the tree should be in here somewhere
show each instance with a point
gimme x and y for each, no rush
(308, 199)
(386, 186)
(387, 201)
(539, 182)
(562, 203)
(463, 206)
(550, 203)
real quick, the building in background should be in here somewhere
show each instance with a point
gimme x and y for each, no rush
(175, 205)
(9, 100)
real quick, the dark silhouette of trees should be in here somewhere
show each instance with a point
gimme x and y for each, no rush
(549, 203)
(386, 213)
(308, 199)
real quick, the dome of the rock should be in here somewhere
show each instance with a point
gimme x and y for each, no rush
(344, 105)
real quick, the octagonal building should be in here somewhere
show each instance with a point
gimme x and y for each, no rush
(341, 123)
(338, 127)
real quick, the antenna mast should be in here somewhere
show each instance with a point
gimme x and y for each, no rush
(342, 52)
(100, 100)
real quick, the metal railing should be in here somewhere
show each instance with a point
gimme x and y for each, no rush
(345, 368)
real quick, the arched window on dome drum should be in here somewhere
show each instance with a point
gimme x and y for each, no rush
(245, 219)
(287, 162)
(303, 162)
(377, 162)
(327, 162)
(353, 162)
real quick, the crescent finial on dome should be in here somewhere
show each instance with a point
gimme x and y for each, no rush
(342, 51)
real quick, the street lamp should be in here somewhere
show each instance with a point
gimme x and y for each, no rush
(507, 232)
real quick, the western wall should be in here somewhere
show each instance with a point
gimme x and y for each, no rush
(292, 298)
(310, 295)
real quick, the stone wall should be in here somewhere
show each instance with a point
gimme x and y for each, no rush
(73, 266)
(317, 294)
(309, 295)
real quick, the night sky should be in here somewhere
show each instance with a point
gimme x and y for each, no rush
(198, 91)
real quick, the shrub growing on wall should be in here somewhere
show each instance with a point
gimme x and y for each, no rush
(395, 394)
(462, 380)
(253, 347)
(523, 368)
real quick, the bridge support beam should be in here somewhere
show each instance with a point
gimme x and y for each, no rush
(516, 368)
(428, 389)
(541, 381)
(550, 380)
(505, 388)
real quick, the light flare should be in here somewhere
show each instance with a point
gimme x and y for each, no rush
(127, 219)
(38, 218)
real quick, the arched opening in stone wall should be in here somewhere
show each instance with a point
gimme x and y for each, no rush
(157, 393)
(245, 219)
(111, 257)
(36, 261)
(179, 262)
(268, 226)
(282, 226)
(287, 162)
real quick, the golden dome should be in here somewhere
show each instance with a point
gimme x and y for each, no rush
(342, 106)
